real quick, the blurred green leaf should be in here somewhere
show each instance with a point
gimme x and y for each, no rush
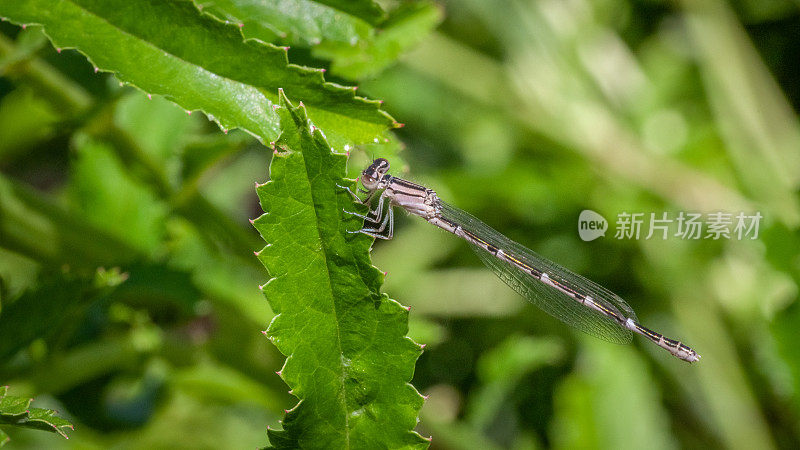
(30, 316)
(610, 390)
(17, 273)
(65, 95)
(28, 42)
(26, 120)
(159, 128)
(107, 197)
(758, 124)
(98, 358)
(502, 368)
(34, 226)
(201, 155)
(229, 197)
(224, 384)
(348, 358)
(367, 10)
(409, 25)
(226, 277)
(516, 356)
(16, 411)
(201, 64)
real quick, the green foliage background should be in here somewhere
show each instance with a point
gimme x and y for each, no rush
(129, 297)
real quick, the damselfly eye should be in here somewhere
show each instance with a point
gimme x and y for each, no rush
(380, 165)
(372, 175)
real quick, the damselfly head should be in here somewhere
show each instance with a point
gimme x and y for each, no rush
(372, 175)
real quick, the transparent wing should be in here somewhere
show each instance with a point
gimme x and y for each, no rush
(550, 300)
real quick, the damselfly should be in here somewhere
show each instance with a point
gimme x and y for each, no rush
(561, 293)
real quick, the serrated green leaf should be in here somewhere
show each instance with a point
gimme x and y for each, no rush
(12, 408)
(349, 361)
(46, 419)
(16, 411)
(356, 49)
(303, 22)
(170, 48)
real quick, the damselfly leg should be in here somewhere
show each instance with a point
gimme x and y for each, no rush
(384, 230)
(353, 194)
(377, 212)
(376, 223)
(380, 226)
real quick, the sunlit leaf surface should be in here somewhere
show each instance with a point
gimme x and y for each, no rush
(17, 412)
(349, 361)
(201, 63)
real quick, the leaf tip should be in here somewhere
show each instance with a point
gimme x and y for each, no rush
(283, 100)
